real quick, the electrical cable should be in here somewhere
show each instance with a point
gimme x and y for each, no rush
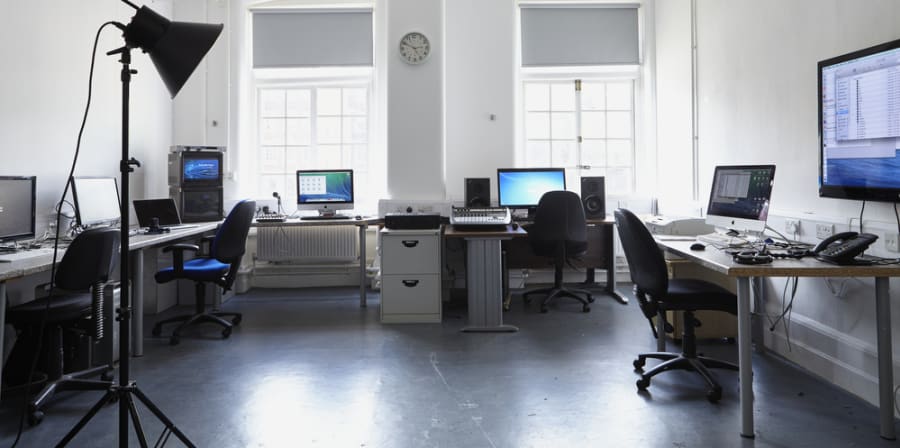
(861, 210)
(46, 313)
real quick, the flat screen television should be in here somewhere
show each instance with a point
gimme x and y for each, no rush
(740, 197)
(523, 187)
(201, 168)
(17, 207)
(859, 124)
(325, 190)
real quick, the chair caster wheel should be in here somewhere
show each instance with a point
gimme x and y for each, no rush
(639, 364)
(35, 418)
(586, 309)
(236, 320)
(226, 332)
(107, 376)
(174, 340)
(714, 394)
(157, 330)
(590, 299)
(544, 309)
(643, 383)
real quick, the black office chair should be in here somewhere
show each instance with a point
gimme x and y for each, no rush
(80, 277)
(559, 232)
(656, 294)
(219, 267)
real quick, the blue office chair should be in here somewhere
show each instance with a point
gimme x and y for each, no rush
(219, 267)
(73, 306)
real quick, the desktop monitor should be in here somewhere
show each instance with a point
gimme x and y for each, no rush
(201, 168)
(523, 187)
(96, 200)
(17, 207)
(740, 196)
(325, 190)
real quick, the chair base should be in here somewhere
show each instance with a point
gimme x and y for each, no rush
(561, 291)
(190, 319)
(69, 382)
(680, 361)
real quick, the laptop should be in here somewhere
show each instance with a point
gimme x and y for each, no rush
(162, 209)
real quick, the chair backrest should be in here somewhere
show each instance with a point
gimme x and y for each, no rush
(230, 242)
(89, 259)
(645, 260)
(559, 225)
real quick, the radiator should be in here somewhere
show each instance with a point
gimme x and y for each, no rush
(320, 244)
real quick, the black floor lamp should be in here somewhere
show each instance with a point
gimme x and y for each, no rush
(176, 48)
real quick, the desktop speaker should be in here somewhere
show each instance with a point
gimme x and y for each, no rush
(593, 197)
(478, 192)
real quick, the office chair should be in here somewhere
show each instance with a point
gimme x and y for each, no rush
(219, 267)
(80, 277)
(559, 232)
(656, 294)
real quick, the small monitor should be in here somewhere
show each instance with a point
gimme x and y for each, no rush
(740, 197)
(325, 190)
(17, 207)
(201, 168)
(523, 187)
(163, 210)
(96, 200)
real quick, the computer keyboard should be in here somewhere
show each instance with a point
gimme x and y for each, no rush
(718, 239)
(483, 216)
(271, 218)
(26, 254)
(323, 218)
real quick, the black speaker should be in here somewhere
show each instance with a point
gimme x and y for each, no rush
(593, 196)
(478, 192)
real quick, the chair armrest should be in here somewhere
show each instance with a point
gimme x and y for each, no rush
(206, 243)
(178, 255)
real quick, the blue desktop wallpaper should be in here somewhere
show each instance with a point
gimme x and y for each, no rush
(871, 172)
(525, 188)
(338, 188)
(201, 169)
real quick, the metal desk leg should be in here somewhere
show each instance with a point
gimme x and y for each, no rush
(885, 357)
(744, 356)
(2, 322)
(362, 265)
(757, 332)
(484, 281)
(137, 303)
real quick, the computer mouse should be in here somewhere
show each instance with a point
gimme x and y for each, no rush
(698, 246)
(358, 218)
(515, 225)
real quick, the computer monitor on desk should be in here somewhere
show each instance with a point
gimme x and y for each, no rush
(739, 200)
(325, 191)
(17, 204)
(522, 188)
(96, 201)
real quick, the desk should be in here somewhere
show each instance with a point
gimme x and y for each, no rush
(137, 243)
(484, 276)
(807, 267)
(363, 224)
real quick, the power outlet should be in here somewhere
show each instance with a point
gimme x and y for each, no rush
(792, 226)
(891, 241)
(824, 231)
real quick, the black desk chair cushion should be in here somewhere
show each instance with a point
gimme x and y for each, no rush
(220, 267)
(559, 232)
(656, 294)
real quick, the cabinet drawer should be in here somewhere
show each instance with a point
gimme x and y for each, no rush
(410, 294)
(410, 254)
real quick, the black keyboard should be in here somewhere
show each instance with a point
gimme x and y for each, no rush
(323, 218)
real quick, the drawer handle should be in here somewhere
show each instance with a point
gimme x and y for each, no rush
(410, 243)
(410, 283)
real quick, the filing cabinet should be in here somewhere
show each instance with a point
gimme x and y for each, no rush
(410, 276)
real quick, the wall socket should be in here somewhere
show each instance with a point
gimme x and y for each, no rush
(824, 230)
(792, 226)
(891, 241)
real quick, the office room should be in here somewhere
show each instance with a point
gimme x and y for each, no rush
(420, 109)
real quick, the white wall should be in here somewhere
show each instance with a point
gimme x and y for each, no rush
(46, 49)
(757, 104)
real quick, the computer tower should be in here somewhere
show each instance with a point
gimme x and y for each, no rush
(196, 176)
(478, 192)
(106, 350)
(593, 196)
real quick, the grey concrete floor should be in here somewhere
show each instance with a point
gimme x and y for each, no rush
(309, 368)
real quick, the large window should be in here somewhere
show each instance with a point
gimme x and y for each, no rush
(314, 127)
(585, 126)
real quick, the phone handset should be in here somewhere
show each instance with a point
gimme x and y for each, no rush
(843, 248)
(832, 239)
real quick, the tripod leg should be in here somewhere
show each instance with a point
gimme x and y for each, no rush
(136, 419)
(87, 417)
(162, 417)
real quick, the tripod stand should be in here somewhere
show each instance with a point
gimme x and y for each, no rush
(127, 389)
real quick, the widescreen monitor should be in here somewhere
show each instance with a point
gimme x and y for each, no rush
(740, 197)
(859, 124)
(17, 207)
(96, 200)
(324, 190)
(523, 187)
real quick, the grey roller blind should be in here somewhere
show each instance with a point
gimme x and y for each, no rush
(312, 38)
(580, 35)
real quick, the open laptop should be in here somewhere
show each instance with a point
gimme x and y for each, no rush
(162, 209)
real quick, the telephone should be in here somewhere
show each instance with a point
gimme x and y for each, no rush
(842, 248)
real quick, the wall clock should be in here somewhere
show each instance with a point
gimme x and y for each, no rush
(414, 48)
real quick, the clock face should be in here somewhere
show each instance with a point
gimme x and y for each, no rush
(414, 48)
